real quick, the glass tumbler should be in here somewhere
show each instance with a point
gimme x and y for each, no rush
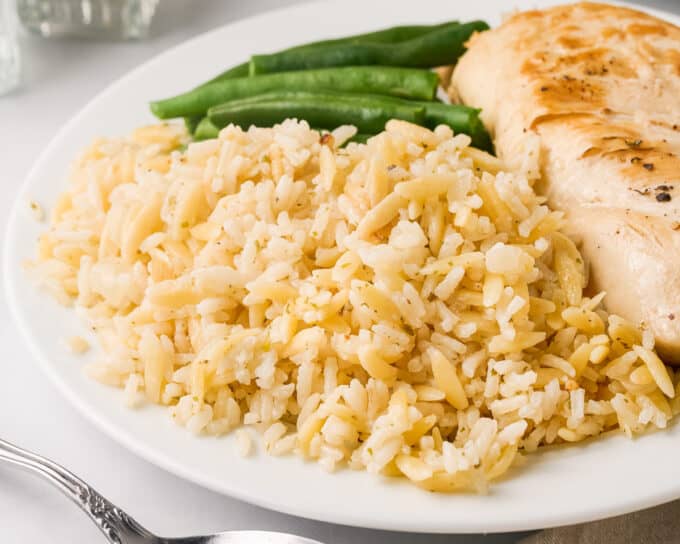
(9, 49)
(104, 19)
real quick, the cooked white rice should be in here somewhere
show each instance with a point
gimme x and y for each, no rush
(403, 307)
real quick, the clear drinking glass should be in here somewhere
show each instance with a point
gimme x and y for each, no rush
(106, 19)
(9, 49)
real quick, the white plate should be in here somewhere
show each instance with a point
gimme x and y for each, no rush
(584, 482)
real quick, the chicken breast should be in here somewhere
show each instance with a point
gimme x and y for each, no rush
(594, 91)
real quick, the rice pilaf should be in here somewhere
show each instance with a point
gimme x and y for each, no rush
(404, 306)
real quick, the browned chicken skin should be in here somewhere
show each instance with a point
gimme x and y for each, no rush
(597, 87)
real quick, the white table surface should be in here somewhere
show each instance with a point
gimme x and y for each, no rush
(59, 77)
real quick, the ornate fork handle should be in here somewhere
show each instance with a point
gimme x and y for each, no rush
(118, 527)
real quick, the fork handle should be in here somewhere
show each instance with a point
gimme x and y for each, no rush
(116, 525)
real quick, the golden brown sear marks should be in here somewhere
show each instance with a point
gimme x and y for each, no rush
(651, 166)
(613, 58)
(569, 94)
(637, 29)
(574, 41)
(596, 61)
(642, 162)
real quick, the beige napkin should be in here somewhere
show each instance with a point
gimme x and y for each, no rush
(660, 525)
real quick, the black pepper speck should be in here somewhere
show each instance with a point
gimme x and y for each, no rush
(648, 166)
(663, 197)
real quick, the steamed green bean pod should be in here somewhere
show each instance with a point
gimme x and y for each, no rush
(461, 119)
(328, 110)
(389, 35)
(403, 82)
(436, 48)
(240, 70)
(192, 122)
(205, 130)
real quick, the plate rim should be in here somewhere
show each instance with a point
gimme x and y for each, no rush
(147, 452)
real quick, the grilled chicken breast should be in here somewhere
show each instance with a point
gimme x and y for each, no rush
(595, 89)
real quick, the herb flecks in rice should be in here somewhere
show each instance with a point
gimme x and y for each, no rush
(403, 307)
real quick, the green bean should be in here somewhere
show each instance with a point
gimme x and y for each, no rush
(436, 48)
(240, 70)
(192, 123)
(389, 35)
(404, 82)
(205, 130)
(394, 34)
(461, 119)
(328, 110)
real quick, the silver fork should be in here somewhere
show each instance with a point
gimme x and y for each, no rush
(117, 526)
